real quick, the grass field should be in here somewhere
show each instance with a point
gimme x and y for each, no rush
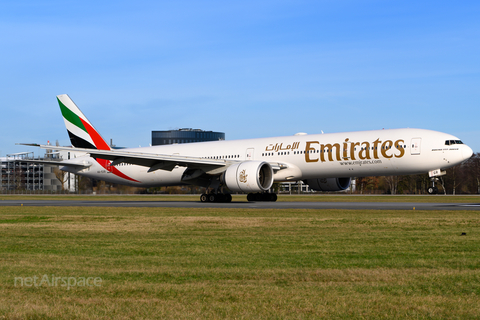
(232, 263)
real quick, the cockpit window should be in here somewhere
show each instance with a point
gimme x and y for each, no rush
(452, 142)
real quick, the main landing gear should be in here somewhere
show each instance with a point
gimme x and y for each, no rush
(216, 197)
(262, 197)
(227, 197)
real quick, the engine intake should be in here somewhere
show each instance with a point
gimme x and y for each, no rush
(249, 176)
(330, 184)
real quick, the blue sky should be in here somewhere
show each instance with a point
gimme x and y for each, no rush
(247, 68)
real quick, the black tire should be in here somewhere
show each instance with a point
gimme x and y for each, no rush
(432, 190)
(212, 197)
(228, 197)
(251, 197)
(204, 197)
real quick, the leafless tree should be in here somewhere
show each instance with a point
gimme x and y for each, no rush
(392, 182)
(61, 176)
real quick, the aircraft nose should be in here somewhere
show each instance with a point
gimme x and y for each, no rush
(467, 152)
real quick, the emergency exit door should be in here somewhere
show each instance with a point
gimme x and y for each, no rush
(415, 146)
(249, 154)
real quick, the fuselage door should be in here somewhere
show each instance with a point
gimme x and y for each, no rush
(249, 154)
(108, 166)
(415, 146)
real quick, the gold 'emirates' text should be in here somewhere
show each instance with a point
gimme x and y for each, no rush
(354, 150)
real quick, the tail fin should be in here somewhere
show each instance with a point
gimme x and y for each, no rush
(81, 131)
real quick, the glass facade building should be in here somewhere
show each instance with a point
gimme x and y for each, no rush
(185, 136)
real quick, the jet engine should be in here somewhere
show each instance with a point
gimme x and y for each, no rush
(249, 176)
(330, 184)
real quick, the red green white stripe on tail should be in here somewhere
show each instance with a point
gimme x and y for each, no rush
(82, 133)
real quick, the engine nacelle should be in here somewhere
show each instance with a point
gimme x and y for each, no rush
(330, 184)
(249, 176)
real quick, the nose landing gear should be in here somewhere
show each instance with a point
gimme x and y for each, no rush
(434, 174)
(432, 190)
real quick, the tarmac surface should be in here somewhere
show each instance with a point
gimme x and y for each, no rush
(248, 205)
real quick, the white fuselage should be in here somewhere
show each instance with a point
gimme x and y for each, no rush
(301, 157)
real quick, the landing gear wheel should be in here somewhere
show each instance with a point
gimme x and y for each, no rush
(216, 197)
(432, 190)
(262, 197)
(272, 197)
(220, 197)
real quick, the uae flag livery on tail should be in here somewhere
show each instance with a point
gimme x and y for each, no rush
(81, 132)
(83, 135)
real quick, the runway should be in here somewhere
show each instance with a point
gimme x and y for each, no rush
(248, 205)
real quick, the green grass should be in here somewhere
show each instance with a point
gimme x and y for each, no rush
(239, 263)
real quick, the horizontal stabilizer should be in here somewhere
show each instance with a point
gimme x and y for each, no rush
(150, 160)
(82, 164)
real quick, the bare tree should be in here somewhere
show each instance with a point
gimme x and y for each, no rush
(392, 182)
(61, 176)
(472, 173)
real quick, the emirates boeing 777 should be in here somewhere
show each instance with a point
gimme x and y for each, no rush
(326, 162)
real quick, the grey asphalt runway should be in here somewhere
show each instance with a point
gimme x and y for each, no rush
(249, 205)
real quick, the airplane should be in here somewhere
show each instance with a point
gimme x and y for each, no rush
(326, 162)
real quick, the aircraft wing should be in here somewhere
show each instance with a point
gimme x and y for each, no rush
(150, 160)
